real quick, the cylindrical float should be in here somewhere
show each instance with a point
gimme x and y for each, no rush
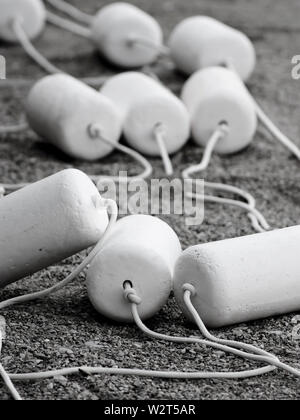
(217, 95)
(60, 109)
(47, 222)
(202, 41)
(242, 279)
(142, 250)
(30, 13)
(126, 36)
(144, 103)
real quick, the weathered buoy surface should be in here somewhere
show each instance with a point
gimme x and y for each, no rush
(47, 222)
(144, 103)
(60, 109)
(217, 95)
(242, 279)
(142, 250)
(202, 41)
(30, 13)
(117, 30)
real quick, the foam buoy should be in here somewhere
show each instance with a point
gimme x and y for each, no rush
(146, 105)
(60, 109)
(30, 13)
(47, 222)
(126, 35)
(202, 41)
(214, 96)
(242, 279)
(141, 250)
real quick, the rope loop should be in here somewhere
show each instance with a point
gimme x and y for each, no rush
(189, 288)
(224, 128)
(131, 295)
(160, 133)
(94, 131)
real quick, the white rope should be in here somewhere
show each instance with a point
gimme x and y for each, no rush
(42, 61)
(66, 24)
(267, 358)
(219, 134)
(94, 131)
(276, 133)
(251, 353)
(10, 188)
(15, 128)
(35, 376)
(31, 50)
(159, 134)
(134, 301)
(256, 216)
(267, 122)
(258, 221)
(147, 43)
(71, 11)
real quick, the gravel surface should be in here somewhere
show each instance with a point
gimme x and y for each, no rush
(64, 330)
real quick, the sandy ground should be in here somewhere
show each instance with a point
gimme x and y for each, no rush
(64, 330)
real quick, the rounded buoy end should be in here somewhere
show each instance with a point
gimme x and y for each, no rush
(143, 268)
(200, 41)
(30, 13)
(237, 54)
(164, 111)
(217, 96)
(194, 271)
(74, 186)
(77, 139)
(126, 36)
(49, 221)
(64, 122)
(241, 121)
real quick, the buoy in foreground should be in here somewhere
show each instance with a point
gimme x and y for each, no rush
(216, 95)
(60, 109)
(126, 36)
(202, 41)
(151, 114)
(141, 250)
(242, 279)
(30, 13)
(47, 222)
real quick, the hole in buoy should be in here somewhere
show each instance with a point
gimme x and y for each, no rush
(127, 283)
(224, 122)
(94, 131)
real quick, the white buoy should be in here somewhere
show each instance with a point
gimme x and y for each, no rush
(214, 96)
(47, 222)
(141, 250)
(202, 41)
(126, 36)
(30, 13)
(242, 279)
(148, 110)
(60, 109)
